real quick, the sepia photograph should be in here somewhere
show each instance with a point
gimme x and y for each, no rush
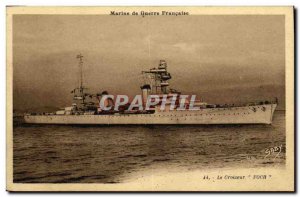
(150, 99)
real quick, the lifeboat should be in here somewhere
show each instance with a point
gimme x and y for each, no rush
(78, 97)
(164, 83)
(158, 70)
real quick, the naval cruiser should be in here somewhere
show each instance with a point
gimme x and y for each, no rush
(171, 108)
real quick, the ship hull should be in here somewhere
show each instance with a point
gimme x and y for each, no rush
(259, 114)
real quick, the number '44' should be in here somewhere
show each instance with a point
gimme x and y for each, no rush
(206, 177)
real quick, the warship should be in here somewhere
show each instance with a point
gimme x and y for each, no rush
(157, 104)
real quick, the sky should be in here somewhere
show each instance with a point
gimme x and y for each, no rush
(222, 59)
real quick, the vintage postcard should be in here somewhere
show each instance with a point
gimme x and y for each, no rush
(150, 99)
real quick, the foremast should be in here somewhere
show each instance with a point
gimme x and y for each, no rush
(79, 92)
